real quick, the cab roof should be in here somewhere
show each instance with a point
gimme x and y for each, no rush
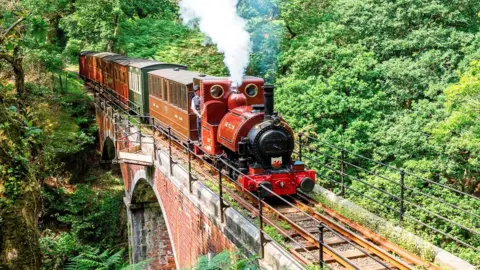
(87, 52)
(143, 63)
(184, 77)
(104, 54)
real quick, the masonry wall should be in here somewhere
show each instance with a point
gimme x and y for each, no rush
(191, 233)
(149, 237)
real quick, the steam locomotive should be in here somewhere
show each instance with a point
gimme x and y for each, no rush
(239, 124)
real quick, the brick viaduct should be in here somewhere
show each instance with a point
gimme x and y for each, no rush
(168, 224)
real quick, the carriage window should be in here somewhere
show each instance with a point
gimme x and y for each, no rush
(130, 81)
(176, 94)
(184, 98)
(149, 85)
(155, 87)
(165, 90)
(159, 88)
(216, 91)
(139, 85)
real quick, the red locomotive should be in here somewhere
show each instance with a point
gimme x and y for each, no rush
(238, 125)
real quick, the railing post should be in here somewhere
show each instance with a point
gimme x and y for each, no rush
(402, 194)
(170, 149)
(140, 131)
(220, 190)
(342, 169)
(300, 135)
(260, 218)
(190, 180)
(154, 147)
(320, 242)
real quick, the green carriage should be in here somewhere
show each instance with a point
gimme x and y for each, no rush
(138, 83)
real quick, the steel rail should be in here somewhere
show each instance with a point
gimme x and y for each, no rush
(384, 243)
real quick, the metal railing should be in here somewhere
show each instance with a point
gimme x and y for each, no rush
(341, 168)
(407, 197)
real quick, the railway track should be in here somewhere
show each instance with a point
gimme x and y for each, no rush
(338, 242)
(346, 245)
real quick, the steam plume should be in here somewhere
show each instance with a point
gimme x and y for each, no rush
(219, 20)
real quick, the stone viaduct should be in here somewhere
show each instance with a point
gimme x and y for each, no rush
(169, 224)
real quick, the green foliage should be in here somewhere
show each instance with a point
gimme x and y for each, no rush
(91, 217)
(58, 248)
(106, 260)
(460, 131)
(225, 260)
(168, 41)
(395, 81)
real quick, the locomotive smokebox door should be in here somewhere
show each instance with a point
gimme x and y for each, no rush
(277, 163)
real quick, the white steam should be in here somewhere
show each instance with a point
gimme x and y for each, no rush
(218, 19)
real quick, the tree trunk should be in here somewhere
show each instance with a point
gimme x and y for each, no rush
(19, 77)
(19, 247)
(60, 80)
(111, 42)
(16, 61)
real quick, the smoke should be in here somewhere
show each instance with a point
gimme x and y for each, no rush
(219, 20)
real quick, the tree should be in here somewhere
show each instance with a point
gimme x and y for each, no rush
(10, 52)
(459, 133)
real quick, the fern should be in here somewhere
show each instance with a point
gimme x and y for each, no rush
(225, 260)
(93, 259)
(107, 260)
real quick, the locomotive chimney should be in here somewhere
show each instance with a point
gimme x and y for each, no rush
(268, 96)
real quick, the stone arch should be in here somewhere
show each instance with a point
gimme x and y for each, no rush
(108, 150)
(149, 235)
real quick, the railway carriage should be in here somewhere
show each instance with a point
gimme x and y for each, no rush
(89, 65)
(99, 66)
(83, 69)
(171, 91)
(115, 77)
(138, 83)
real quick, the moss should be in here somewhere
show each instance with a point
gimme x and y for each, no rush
(19, 236)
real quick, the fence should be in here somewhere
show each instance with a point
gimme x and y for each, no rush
(395, 193)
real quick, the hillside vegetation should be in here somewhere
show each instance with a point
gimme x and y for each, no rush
(395, 81)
